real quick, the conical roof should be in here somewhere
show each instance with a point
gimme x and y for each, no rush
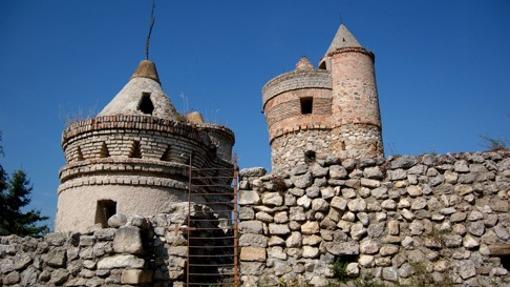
(142, 95)
(343, 38)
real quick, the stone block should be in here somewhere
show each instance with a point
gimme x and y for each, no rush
(342, 248)
(56, 257)
(253, 254)
(117, 220)
(278, 229)
(128, 239)
(254, 240)
(248, 197)
(251, 226)
(310, 227)
(272, 199)
(121, 261)
(136, 276)
(252, 172)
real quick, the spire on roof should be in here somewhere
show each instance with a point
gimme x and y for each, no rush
(146, 69)
(152, 19)
(343, 39)
(304, 65)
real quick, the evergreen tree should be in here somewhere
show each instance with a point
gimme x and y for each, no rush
(3, 214)
(14, 196)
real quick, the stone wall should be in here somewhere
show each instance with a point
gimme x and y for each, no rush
(428, 219)
(289, 150)
(357, 141)
(132, 251)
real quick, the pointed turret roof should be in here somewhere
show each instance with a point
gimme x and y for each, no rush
(343, 38)
(142, 95)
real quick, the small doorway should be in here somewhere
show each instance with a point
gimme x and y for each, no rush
(105, 209)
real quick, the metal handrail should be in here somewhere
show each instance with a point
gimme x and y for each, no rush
(202, 183)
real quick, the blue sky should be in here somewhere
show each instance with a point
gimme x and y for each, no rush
(443, 68)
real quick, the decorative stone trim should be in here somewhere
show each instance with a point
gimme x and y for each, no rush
(281, 132)
(125, 122)
(110, 165)
(219, 128)
(134, 180)
(296, 80)
(354, 50)
(295, 129)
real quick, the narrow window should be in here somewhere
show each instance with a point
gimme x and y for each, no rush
(79, 154)
(166, 155)
(145, 105)
(136, 151)
(104, 152)
(309, 156)
(105, 209)
(306, 105)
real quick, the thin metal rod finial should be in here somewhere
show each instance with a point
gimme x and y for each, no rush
(152, 19)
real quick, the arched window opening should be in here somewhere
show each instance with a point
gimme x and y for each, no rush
(136, 151)
(104, 152)
(166, 156)
(79, 154)
(145, 105)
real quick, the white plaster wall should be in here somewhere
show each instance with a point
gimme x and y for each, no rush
(77, 206)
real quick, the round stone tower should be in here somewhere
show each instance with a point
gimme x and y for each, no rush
(333, 110)
(134, 157)
(356, 122)
(297, 108)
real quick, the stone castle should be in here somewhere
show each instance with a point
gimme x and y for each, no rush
(139, 146)
(332, 210)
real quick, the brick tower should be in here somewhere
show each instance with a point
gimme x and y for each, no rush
(333, 110)
(356, 121)
(297, 107)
